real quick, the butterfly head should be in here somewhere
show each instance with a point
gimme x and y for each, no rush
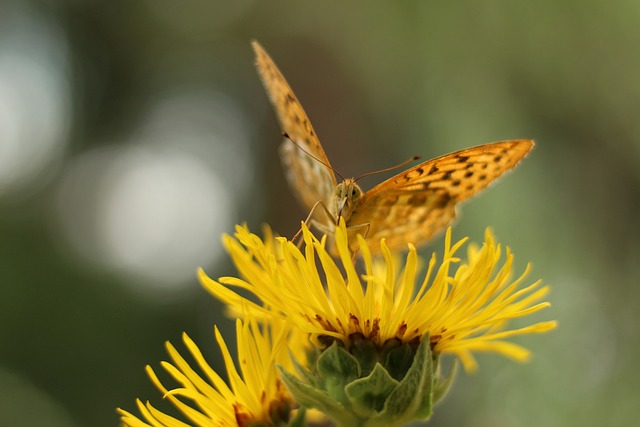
(346, 197)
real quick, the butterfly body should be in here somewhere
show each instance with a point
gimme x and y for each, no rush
(345, 199)
(410, 207)
(342, 203)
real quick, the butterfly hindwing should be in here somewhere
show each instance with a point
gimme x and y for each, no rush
(402, 217)
(308, 179)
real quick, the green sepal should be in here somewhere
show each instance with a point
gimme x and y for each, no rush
(367, 395)
(443, 385)
(398, 360)
(401, 386)
(304, 372)
(337, 368)
(412, 398)
(312, 397)
(365, 352)
(305, 394)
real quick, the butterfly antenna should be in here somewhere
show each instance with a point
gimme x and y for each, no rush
(388, 169)
(286, 135)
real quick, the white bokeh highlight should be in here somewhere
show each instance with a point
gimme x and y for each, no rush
(35, 106)
(153, 208)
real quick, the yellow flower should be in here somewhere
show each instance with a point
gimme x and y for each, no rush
(461, 312)
(255, 394)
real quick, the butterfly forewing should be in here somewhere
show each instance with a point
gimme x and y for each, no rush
(414, 205)
(311, 179)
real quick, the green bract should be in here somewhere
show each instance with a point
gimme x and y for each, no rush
(366, 387)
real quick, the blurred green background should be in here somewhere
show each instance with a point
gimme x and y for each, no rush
(133, 134)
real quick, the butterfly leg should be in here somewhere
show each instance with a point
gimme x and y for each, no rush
(318, 225)
(367, 227)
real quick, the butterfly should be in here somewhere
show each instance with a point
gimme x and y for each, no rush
(411, 207)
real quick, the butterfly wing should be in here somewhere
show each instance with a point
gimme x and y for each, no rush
(310, 180)
(416, 204)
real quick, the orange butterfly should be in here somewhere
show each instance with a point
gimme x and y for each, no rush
(410, 207)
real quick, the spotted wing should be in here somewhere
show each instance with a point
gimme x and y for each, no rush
(311, 180)
(416, 204)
